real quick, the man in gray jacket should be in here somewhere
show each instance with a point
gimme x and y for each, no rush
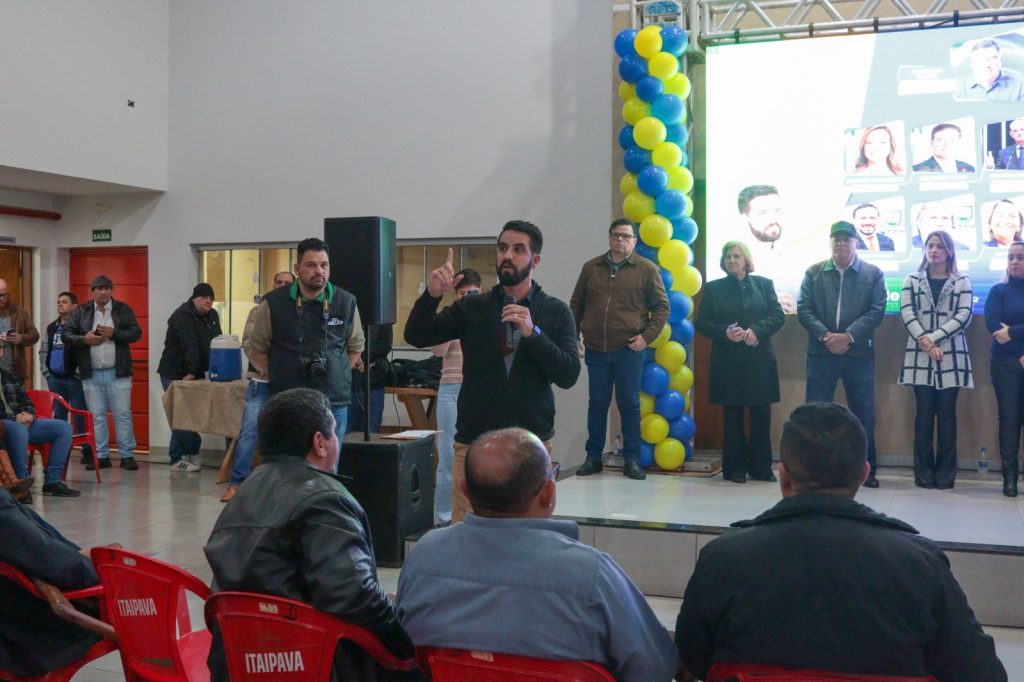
(842, 301)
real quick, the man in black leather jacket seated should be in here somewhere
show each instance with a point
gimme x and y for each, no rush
(294, 531)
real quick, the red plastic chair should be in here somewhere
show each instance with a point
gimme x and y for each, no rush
(145, 602)
(61, 604)
(739, 672)
(460, 665)
(264, 634)
(43, 401)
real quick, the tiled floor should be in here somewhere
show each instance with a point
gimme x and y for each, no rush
(170, 514)
(974, 511)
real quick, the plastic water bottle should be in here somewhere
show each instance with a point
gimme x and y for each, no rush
(618, 444)
(983, 463)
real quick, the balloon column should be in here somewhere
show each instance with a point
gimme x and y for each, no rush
(655, 193)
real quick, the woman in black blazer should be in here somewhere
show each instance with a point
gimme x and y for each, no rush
(739, 314)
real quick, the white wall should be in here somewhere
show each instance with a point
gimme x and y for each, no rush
(67, 70)
(450, 117)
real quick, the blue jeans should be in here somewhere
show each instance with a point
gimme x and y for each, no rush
(69, 388)
(858, 375)
(182, 442)
(105, 390)
(255, 396)
(447, 414)
(39, 432)
(355, 408)
(621, 369)
(340, 426)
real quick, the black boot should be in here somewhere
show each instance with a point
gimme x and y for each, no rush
(1009, 479)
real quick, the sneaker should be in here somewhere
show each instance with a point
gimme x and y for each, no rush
(229, 493)
(184, 465)
(58, 489)
(129, 463)
(104, 464)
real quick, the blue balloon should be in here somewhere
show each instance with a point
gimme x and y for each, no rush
(636, 159)
(652, 180)
(654, 380)
(632, 68)
(689, 450)
(671, 203)
(666, 278)
(673, 39)
(646, 454)
(624, 42)
(677, 133)
(682, 332)
(682, 428)
(685, 230)
(649, 88)
(649, 355)
(670, 405)
(648, 252)
(678, 307)
(668, 109)
(686, 159)
(626, 137)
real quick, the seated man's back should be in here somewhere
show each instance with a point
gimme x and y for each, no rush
(512, 580)
(293, 530)
(820, 581)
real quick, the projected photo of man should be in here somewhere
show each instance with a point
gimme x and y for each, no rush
(865, 219)
(761, 206)
(988, 81)
(1010, 157)
(1005, 224)
(878, 154)
(932, 216)
(945, 141)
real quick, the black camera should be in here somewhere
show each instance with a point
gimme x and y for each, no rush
(314, 367)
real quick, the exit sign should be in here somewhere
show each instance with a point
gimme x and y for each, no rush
(101, 235)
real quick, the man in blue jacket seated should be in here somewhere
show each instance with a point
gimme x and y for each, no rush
(512, 580)
(33, 640)
(293, 530)
(820, 581)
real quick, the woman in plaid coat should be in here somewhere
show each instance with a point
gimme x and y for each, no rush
(935, 305)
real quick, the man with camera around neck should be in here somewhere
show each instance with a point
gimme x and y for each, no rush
(308, 334)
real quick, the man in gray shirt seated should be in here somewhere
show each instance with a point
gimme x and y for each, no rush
(512, 580)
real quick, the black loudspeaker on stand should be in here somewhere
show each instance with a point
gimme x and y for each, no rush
(394, 482)
(362, 252)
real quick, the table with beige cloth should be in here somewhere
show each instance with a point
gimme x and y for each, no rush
(208, 407)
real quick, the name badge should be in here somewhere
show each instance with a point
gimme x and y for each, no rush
(334, 322)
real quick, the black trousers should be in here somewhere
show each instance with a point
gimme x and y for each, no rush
(935, 463)
(740, 456)
(1008, 383)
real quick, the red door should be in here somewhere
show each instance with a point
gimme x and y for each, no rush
(129, 268)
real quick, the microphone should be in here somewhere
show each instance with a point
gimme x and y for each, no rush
(509, 327)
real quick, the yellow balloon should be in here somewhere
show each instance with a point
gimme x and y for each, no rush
(680, 178)
(688, 211)
(649, 132)
(682, 381)
(662, 337)
(674, 255)
(653, 428)
(646, 403)
(663, 65)
(678, 85)
(691, 280)
(627, 91)
(635, 109)
(648, 42)
(667, 155)
(669, 454)
(655, 230)
(637, 206)
(671, 356)
(627, 185)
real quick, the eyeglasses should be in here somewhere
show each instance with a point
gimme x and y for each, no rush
(4, 295)
(552, 474)
(621, 235)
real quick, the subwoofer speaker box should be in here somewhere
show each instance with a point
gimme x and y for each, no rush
(394, 482)
(362, 252)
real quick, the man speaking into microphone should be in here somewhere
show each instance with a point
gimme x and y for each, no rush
(516, 342)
